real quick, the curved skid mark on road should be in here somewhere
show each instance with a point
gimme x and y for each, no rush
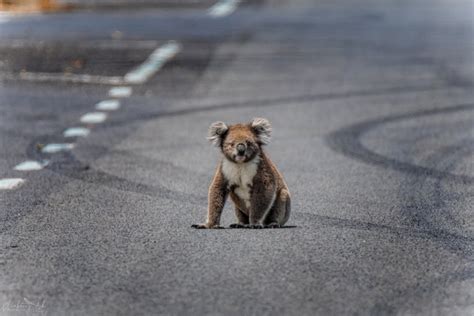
(445, 159)
(428, 211)
(391, 306)
(464, 244)
(143, 117)
(75, 169)
(68, 165)
(347, 142)
(402, 231)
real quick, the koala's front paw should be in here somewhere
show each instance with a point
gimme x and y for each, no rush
(256, 226)
(237, 225)
(205, 226)
(273, 225)
(199, 226)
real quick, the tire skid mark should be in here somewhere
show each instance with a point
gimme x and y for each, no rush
(347, 141)
(423, 213)
(444, 159)
(269, 102)
(441, 236)
(391, 305)
(402, 231)
(426, 205)
(68, 165)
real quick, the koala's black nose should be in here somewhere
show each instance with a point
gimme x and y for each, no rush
(241, 148)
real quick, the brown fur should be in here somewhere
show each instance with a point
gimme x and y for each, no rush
(258, 190)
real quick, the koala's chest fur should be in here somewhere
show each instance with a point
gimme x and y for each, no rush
(240, 176)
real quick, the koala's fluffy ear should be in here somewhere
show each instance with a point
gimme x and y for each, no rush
(263, 129)
(216, 133)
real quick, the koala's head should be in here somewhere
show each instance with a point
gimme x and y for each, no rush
(240, 143)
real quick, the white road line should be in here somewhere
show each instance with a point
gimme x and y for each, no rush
(154, 62)
(223, 8)
(120, 92)
(5, 17)
(76, 132)
(31, 165)
(139, 75)
(55, 148)
(97, 44)
(74, 78)
(93, 117)
(108, 105)
(10, 183)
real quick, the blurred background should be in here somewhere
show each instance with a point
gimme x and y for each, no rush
(104, 165)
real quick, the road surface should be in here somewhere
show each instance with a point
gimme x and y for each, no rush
(372, 110)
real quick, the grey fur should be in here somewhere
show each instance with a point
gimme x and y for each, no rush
(216, 133)
(263, 129)
(254, 184)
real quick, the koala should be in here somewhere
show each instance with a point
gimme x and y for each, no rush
(245, 172)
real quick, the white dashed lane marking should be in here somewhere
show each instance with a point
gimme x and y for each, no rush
(223, 8)
(30, 165)
(55, 148)
(154, 62)
(10, 183)
(120, 92)
(108, 105)
(93, 117)
(76, 132)
(139, 75)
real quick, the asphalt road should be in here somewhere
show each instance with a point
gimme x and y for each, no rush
(372, 110)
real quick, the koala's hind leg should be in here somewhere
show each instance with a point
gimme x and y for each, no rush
(280, 211)
(242, 218)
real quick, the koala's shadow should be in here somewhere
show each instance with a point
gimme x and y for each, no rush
(249, 228)
(264, 228)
